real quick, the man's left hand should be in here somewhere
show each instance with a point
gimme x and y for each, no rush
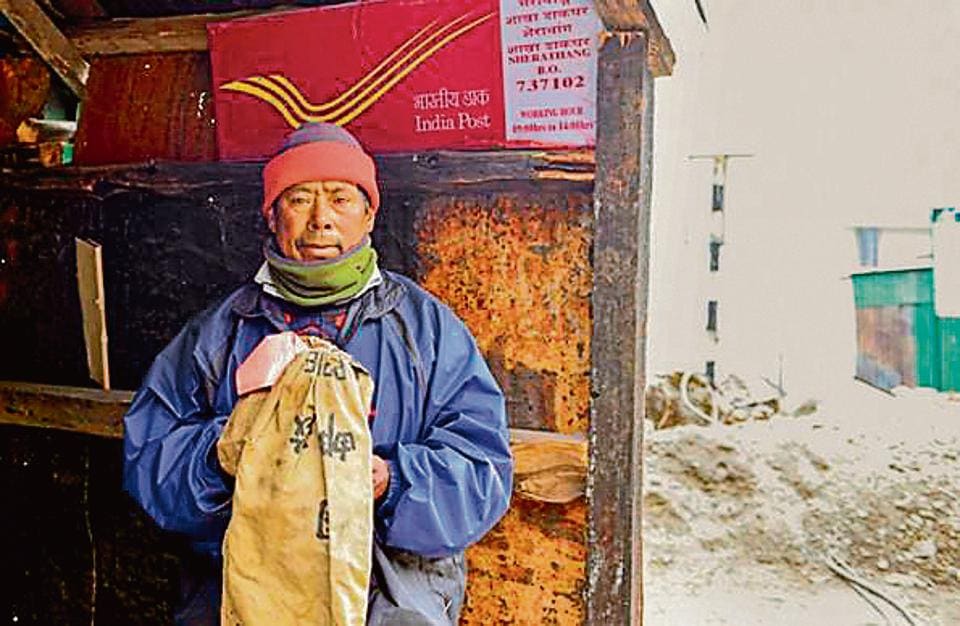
(381, 477)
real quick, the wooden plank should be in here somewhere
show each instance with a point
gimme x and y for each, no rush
(634, 15)
(620, 255)
(181, 33)
(149, 35)
(52, 46)
(433, 170)
(33, 130)
(550, 467)
(88, 411)
(164, 178)
(408, 171)
(92, 305)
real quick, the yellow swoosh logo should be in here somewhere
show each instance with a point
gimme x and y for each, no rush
(299, 107)
(282, 80)
(281, 93)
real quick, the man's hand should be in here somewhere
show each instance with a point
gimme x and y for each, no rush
(381, 477)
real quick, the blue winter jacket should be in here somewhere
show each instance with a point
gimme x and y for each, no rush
(440, 420)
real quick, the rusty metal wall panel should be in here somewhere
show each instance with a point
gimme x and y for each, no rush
(149, 106)
(887, 346)
(515, 268)
(530, 568)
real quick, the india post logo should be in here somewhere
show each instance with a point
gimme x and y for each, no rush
(296, 109)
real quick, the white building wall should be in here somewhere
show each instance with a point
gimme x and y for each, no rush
(852, 108)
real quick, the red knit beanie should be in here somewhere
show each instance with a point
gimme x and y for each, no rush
(319, 152)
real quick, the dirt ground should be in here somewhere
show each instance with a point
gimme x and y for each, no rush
(740, 521)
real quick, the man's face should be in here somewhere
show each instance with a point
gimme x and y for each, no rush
(319, 220)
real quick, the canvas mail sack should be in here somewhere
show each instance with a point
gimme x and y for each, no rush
(298, 547)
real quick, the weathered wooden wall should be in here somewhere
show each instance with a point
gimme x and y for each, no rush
(510, 256)
(74, 551)
(147, 106)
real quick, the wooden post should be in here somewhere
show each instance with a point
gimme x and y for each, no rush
(620, 261)
(52, 46)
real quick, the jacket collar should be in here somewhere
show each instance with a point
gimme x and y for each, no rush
(372, 304)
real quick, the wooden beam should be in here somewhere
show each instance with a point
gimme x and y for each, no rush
(142, 35)
(52, 46)
(619, 305)
(182, 33)
(425, 171)
(550, 467)
(634, 15)
(77, 409)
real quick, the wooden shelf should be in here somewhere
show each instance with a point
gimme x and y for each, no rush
(550, 467)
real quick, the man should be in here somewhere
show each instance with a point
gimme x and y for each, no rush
(442, 471)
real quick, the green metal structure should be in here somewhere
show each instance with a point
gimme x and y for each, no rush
(900, 339)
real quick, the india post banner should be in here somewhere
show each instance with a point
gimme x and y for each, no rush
(407, 75)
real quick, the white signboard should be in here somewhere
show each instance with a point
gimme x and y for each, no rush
(550, 70)
(946, 261)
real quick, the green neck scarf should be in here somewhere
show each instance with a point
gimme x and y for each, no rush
(316, 283)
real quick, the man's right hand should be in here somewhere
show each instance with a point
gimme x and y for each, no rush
(381, 477)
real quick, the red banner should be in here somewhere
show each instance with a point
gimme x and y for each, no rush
(404, 75)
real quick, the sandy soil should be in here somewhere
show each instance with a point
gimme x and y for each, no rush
(741, 520)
